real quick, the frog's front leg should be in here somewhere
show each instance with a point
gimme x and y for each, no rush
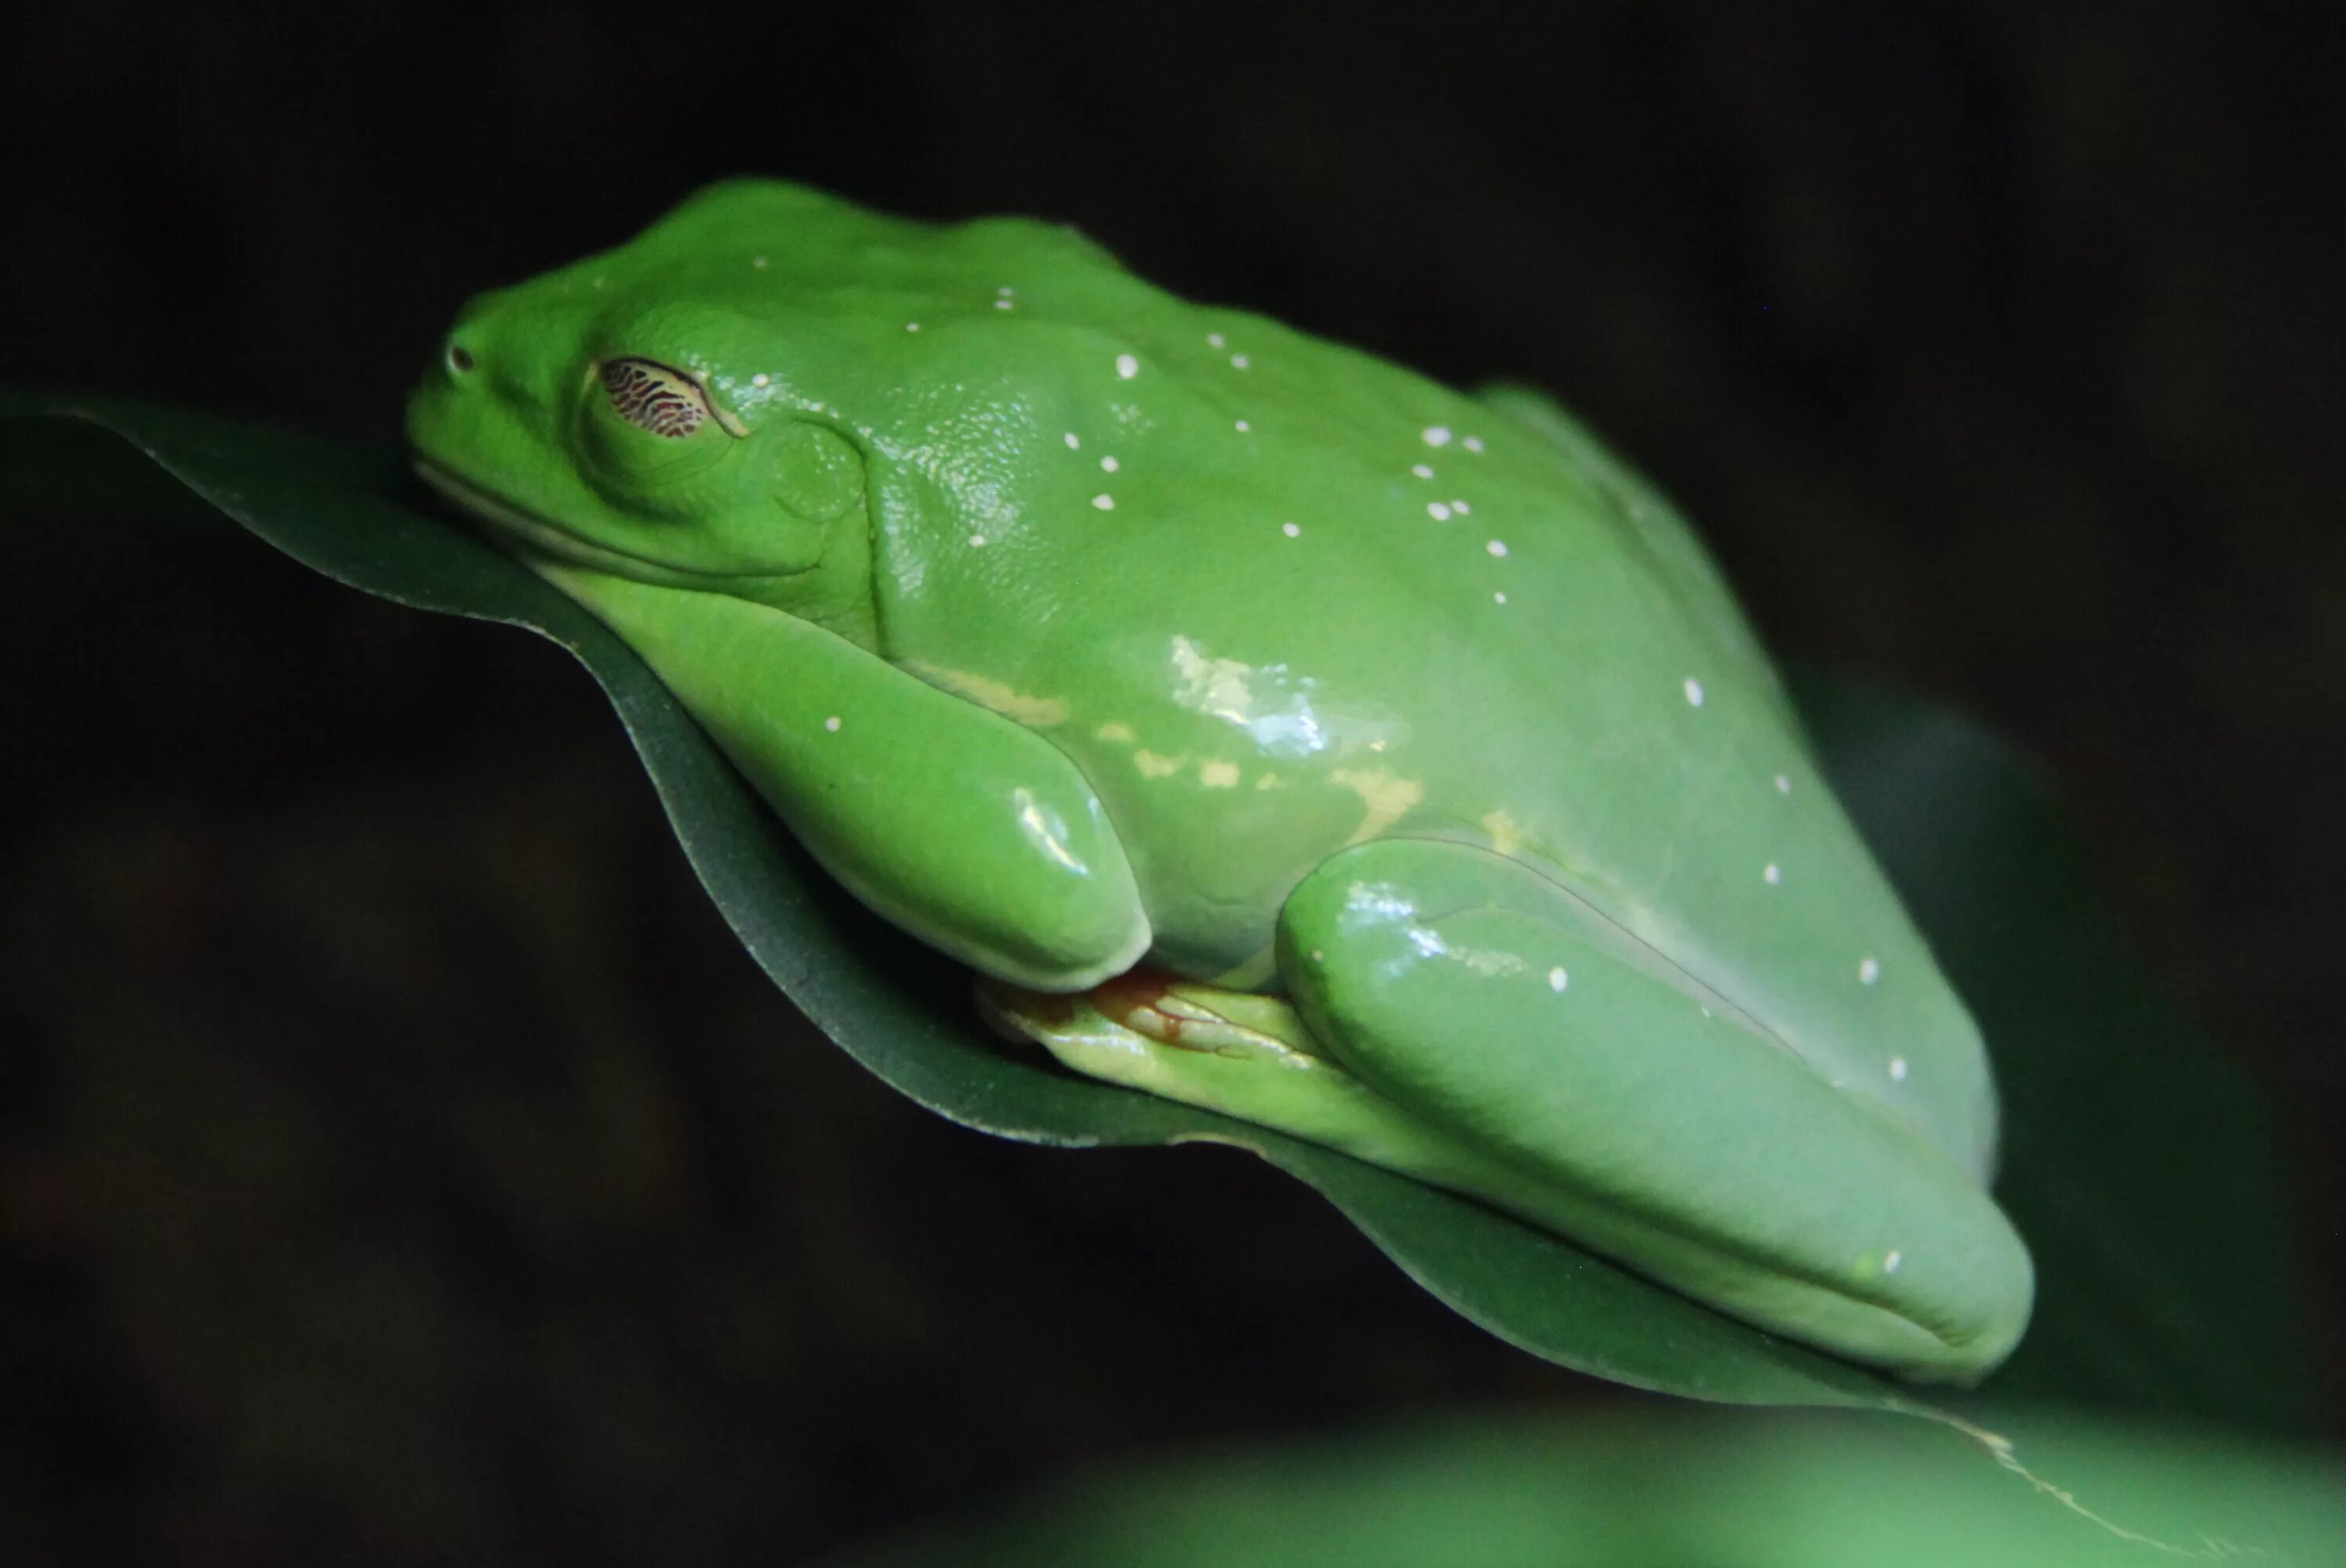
(971, 832)
(1659, 1123)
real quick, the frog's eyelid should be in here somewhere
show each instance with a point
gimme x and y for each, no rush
(667, 402)
(652, 396)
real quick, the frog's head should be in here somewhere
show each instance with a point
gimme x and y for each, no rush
(602, 415)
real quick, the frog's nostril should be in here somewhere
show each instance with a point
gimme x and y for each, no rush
(460, 358)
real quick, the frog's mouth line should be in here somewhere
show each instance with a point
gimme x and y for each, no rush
(517, 525)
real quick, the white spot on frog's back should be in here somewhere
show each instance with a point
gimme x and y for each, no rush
(1771, 873)
(1473, 443)
(1074, 441)
(832, 724)
(1435, 435)
(1291, 530)
(1868, 969)
(1897, 1069)
(1108, 466)
(1497, 546)
(1103, 501)
(1783, 784)
(1557, 979)
(1126, 367)
(1693, 689)
(1438, 510)
(1219, 775)
(1890, 1264)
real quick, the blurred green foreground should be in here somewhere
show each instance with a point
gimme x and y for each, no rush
(1651, 1487)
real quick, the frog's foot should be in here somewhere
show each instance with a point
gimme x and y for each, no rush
(1200, 1018)
(1244, 1056)
(1641, 1114)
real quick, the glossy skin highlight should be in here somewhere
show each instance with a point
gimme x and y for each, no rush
(1409, 739)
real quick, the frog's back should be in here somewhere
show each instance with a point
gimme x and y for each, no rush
(1275, 596)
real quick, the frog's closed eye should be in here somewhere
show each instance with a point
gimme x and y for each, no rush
(655, 397)
(646, 429)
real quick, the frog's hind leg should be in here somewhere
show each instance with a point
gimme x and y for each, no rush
(1241, 1054)
(1643, 1115)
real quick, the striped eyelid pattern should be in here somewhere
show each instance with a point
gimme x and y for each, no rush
(666, 402)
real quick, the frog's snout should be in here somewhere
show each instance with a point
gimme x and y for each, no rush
(444, 399)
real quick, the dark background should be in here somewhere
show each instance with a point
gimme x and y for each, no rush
(398, 1160)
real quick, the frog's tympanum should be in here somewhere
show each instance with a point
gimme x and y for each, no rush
(1272, 729)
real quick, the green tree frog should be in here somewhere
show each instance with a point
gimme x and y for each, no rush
(1269, 727)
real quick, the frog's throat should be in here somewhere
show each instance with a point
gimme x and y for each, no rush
(516, 525)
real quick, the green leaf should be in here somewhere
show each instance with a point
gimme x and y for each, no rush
(2143, 1168)
(354, 514)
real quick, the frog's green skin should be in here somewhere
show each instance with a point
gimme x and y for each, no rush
(1070, 624)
